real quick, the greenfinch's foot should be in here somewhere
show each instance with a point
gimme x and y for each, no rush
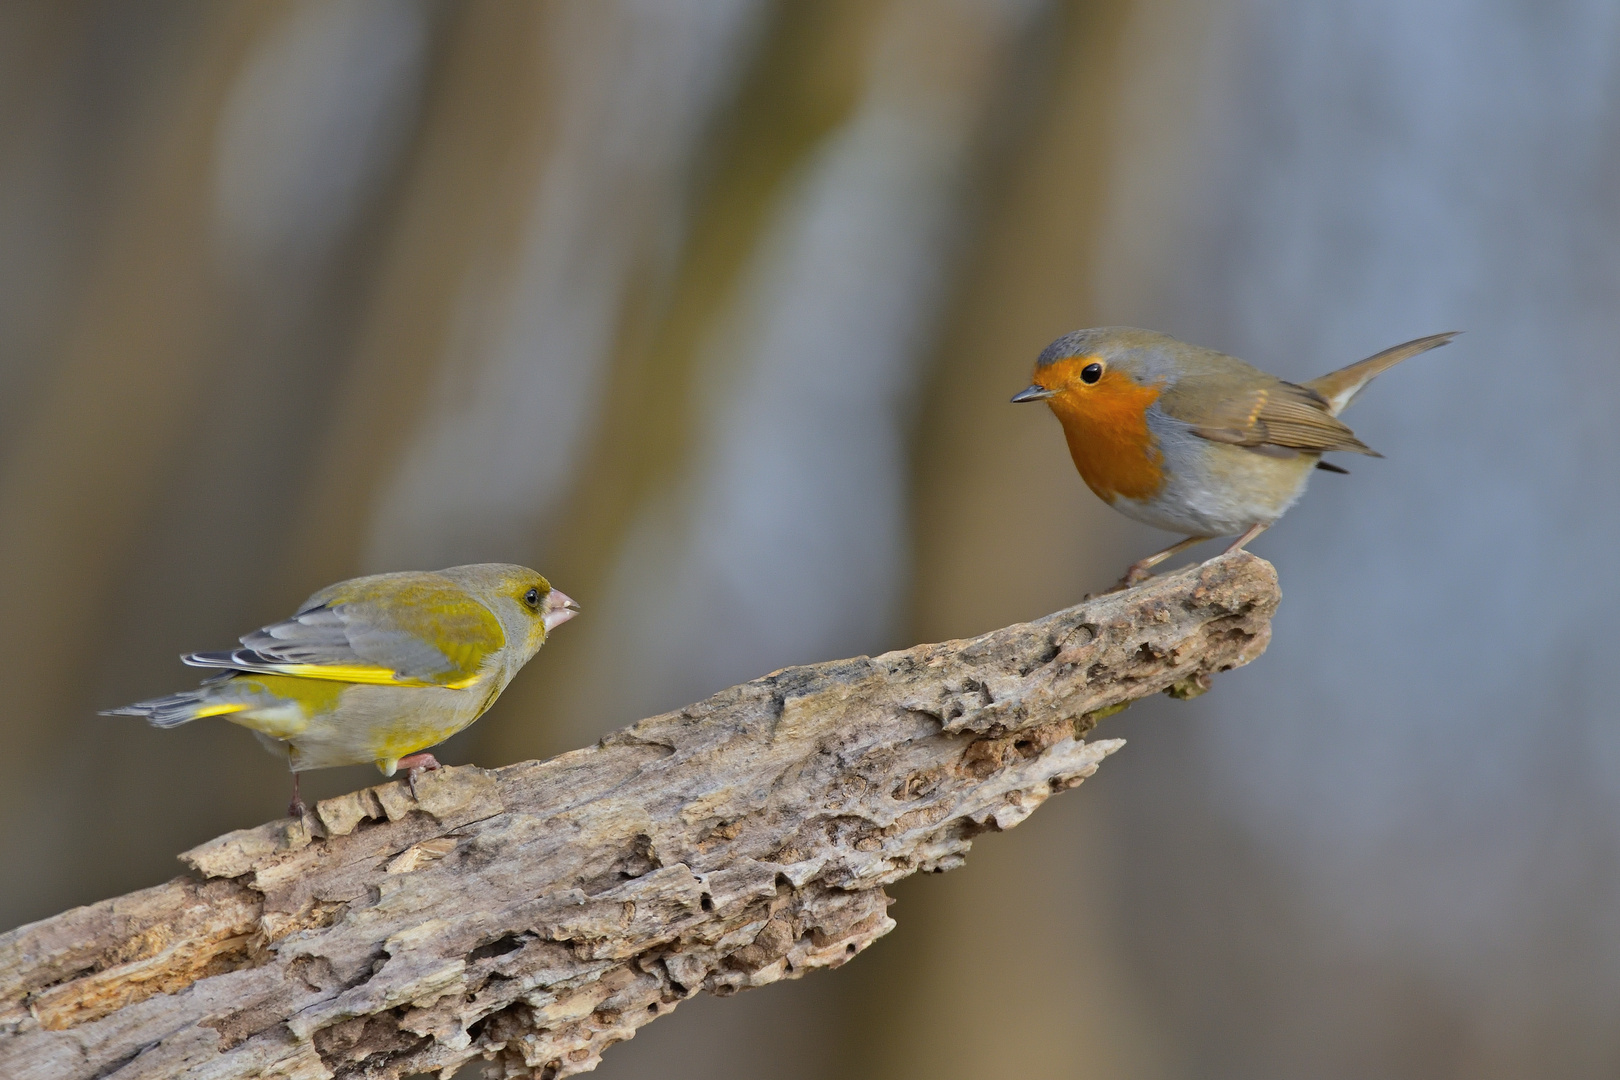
(415, 765)
(296, 808)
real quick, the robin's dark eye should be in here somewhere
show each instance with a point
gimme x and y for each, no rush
(1091, 373)
(532, 598)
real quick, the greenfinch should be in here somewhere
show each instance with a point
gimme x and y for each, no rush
(375, 668)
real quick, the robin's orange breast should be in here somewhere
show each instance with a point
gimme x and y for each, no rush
(1106, 427)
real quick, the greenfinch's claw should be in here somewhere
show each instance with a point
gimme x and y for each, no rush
(415, 765)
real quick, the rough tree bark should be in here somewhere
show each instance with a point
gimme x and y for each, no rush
(534, 915)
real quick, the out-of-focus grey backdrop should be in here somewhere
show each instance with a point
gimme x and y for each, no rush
(710, 310)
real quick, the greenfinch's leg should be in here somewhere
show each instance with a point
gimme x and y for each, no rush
(417, 764)
(296, 808)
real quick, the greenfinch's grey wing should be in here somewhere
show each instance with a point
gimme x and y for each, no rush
(410, 629)
(1273, 413)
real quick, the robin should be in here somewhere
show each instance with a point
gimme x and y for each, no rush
(1191, 440)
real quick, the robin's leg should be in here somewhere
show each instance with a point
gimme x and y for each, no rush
(296, 808)
(417, 764)
(1139, 569)
(1253, 531)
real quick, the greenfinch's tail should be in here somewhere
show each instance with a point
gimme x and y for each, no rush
(181, 708)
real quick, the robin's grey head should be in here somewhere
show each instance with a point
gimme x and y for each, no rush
(1084, 356)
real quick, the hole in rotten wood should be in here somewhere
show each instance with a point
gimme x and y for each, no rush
(500, 946)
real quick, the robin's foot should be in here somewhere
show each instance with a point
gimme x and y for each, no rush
(1135, 575)
(415, 765)
(1142, 569)
(296, 808)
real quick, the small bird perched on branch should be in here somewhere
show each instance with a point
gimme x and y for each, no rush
(1193, 441)
(375, 668)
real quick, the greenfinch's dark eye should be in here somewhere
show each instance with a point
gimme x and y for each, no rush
(532, 598)
(1091, 373)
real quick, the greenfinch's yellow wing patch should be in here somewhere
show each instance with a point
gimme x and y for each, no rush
(223, 708)
(408, 629)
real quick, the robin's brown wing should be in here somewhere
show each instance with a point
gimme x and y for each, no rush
(1257, 413)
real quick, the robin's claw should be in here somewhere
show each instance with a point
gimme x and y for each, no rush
(1134, 576)
(1140, 570)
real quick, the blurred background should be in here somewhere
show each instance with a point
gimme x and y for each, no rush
(710, 310)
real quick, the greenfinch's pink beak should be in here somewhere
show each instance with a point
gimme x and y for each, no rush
(559, 608)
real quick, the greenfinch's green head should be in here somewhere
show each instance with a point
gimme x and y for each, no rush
(523, 600)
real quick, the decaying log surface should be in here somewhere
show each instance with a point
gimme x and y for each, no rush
(536, 914)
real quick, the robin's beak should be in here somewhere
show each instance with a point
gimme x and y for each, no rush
(559, 608)
(1033, 392)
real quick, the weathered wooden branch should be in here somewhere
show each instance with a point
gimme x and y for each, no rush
(534, 915)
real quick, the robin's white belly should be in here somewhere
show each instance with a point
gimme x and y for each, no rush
(1215, 489)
